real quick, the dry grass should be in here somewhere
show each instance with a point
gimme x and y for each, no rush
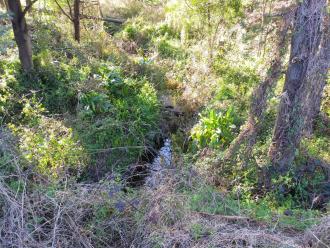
(319, 236)
(169, 222)
(84, 215)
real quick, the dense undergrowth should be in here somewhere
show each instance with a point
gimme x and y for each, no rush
(89, 111)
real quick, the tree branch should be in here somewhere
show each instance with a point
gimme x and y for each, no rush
(28, 7)
(62, 10)
(70, 9)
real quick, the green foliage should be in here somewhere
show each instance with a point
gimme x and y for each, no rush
(100, 100)
(149, 36)
(207, 199)
(118, 117)
(199, 231)
(166, 50)
(292, 190)
(55, 84)
(8, 160)
(318, 147)
(243, 78)
(46, 143)
(138, 32)
(215, 129)
(165, 30)
(202, 18)
(95, 103)
(6, 34)
(228, 9)
(130, 32)
(280, 217)
(112, 109)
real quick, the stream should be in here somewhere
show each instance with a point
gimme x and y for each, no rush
(161, 161)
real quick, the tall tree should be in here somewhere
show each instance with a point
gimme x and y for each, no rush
(317, 74)
(304, 81)
(73, 15)
(21, 32)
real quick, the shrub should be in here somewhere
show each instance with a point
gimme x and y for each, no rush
(166, 50)
(95, 103)
(215, 129)
(139, 32)
(130, 32)
(55, 84)
(46, 143)
(167, 31)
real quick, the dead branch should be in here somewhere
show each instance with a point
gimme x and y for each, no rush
(106, 19)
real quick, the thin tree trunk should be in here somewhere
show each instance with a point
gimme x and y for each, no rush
(76, 20)
(260, 94)
(22, 36)
(291, 118)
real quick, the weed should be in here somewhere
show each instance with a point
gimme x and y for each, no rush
(215, 129)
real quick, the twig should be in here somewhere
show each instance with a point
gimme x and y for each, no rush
(224, 217)
(62, 10)
(55, 226)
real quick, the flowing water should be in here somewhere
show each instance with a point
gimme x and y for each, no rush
(162, 161)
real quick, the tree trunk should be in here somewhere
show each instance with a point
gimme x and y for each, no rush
(260, 94)
(76, 20)
(22, 36)
(291, 118)
(317, 78)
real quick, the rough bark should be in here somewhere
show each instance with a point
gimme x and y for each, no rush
(317, 77)
(291, 118)
(76, 20)
(22, 35)
(259, 97)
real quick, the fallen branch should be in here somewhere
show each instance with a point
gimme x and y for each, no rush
(232, 218)
(105, 19)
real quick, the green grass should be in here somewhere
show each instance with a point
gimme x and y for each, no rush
(207, 199)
